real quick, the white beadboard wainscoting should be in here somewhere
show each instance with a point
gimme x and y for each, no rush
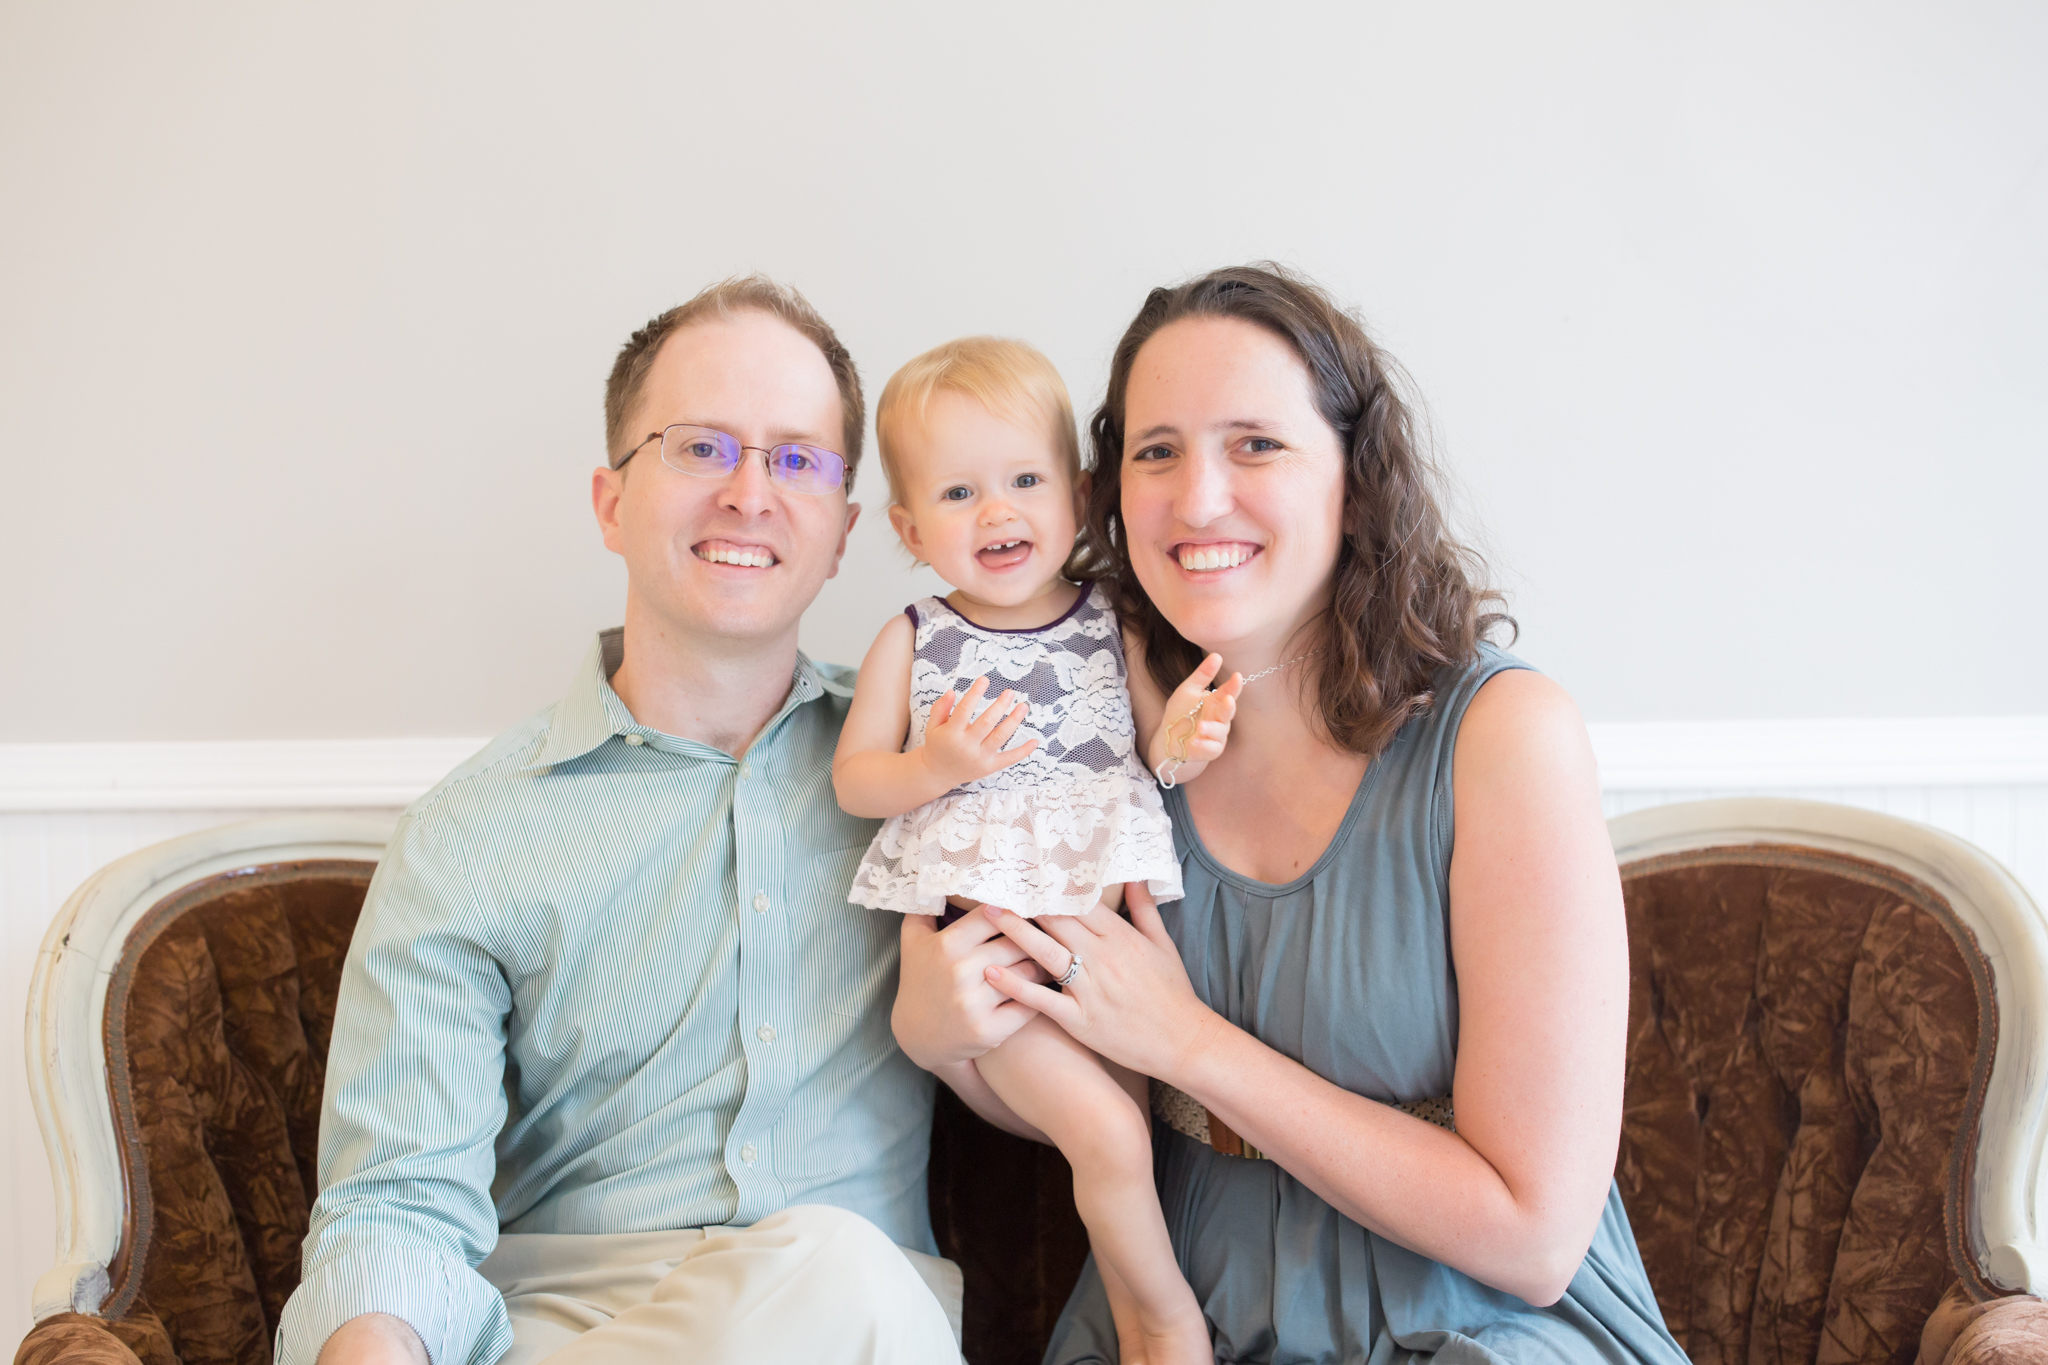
(68, 809)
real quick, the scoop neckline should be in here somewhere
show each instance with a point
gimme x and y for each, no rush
(1080, 600)
(1185, 819)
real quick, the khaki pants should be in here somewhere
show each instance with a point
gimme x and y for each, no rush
(811, 1285)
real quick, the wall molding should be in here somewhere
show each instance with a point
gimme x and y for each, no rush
(1731, 755)
(331, 774)
(1702, 756)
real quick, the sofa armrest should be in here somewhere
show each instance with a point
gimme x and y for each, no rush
(2012, 1331)
(73, 1339)
(2004, 1331)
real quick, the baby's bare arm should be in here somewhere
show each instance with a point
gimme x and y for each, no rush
(1148, 703)
(1194, 724)
(872, 776)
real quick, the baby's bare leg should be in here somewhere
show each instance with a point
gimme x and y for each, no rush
(1132, 1347)
(1068, 1093)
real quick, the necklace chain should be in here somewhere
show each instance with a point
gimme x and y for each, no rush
(1171, 763)
(1276, 668)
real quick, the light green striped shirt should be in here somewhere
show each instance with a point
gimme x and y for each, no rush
(607, 980)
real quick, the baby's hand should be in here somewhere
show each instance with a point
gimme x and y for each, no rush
(959, 750)
(1195, 725)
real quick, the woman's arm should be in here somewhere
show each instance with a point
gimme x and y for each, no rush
(1540, 948)
(872, 776)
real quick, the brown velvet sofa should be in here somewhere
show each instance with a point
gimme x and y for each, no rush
(1811, 1039)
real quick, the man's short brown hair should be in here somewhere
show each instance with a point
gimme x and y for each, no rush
(741, 293)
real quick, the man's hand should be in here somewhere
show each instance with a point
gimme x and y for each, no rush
(959, 750)
(948, 1013)
(1195, 725)
(374, 1339)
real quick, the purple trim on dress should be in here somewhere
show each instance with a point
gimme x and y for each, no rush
(911, 612)
(1079, 602)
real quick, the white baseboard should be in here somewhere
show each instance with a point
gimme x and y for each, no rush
(360, 774)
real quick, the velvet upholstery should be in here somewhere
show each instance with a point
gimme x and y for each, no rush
(1809, 1037)
(1808, 1041)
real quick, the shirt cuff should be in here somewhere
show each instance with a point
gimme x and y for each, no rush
(460, 1317)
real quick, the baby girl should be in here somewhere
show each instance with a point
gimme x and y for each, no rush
(1038, 799)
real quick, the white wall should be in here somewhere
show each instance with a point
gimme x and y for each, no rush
(1732, 318)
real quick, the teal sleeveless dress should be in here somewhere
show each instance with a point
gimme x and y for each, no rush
(1347, 969)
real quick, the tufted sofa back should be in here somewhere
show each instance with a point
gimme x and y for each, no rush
(1809, 1038)
(218, 1019)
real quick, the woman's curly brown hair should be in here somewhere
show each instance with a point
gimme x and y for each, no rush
(1406, 600)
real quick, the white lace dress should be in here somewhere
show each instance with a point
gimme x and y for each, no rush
(1044, 836)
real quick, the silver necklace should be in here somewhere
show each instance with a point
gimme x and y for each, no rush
(1183, 729)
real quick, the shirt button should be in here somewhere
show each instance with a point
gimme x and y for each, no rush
(747, 1154)
(766, 1033)
(760, 902)
(636, 739)
(746, 770)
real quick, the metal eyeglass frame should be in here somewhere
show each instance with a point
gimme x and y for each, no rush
(767, 453)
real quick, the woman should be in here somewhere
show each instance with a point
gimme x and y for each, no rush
(1399, 887)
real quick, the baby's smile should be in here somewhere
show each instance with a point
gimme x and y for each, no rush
(1007, 554)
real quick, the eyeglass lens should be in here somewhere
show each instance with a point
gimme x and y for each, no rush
(712, 454)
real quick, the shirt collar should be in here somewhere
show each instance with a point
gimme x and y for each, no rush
(591, 714)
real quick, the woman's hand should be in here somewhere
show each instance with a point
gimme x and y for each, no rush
(1130, 1002)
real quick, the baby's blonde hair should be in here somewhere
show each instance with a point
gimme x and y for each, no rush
(1012, 380)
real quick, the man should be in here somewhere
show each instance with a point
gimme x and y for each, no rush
(607, 993)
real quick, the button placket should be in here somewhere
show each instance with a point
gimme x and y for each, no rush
(759, 852)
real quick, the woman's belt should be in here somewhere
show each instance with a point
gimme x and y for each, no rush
(1185, 1114)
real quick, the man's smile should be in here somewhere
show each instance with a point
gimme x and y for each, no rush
(741, 554)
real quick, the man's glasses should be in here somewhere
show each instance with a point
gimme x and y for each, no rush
(710, 454)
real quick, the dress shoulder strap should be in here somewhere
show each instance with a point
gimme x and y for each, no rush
(926, 609)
